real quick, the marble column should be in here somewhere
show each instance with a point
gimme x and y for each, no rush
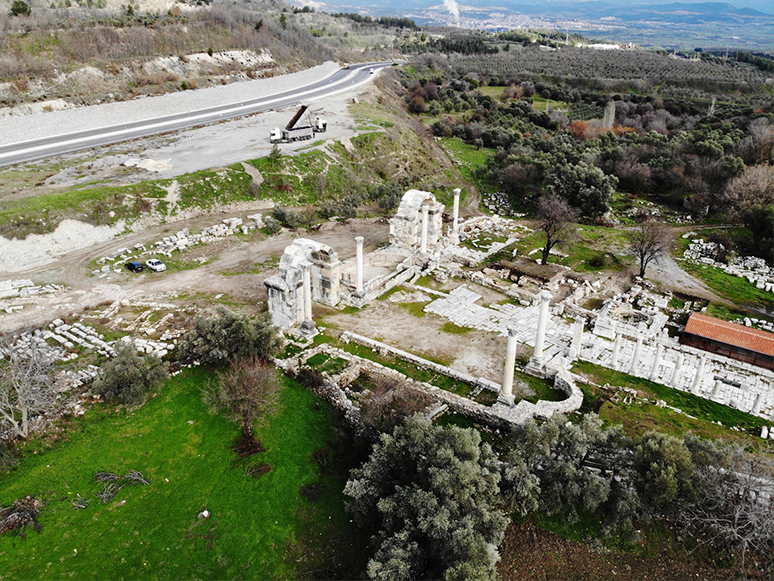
(307, 292)
(540, 338)
(656, 363)
(359, 243)
(677, 372)
(455, 222)
(716, 389)
(506, 391)
(616, 350)
(636, 355)
(425, 224)
(577, 338)
(699, 375)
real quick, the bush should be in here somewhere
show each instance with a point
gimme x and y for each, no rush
(20, 8)
(223, 335)
(129, 376)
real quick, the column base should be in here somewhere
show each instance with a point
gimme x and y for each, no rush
(357, 300)
(508, 400)
(536, 367)
(308, 328)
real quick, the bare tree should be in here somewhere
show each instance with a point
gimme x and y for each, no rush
(649, 242)
(734, 505)
(555, 219)
(26, 381)
(390, 401)
(245, 392)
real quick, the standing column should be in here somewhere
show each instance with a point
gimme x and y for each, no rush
(716, 389)
(455, 222)
(699, 375)
(506, 391)
(656, 363)
(577, 338)
(540, 338)
(678, 371)
(359, 243)
(616, 350)
(636, 355)
(307, 293)
(425, 218)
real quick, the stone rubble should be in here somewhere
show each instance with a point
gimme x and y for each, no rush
(182, 241)
(754, 269)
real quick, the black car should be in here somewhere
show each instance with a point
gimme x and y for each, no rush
(134, 266)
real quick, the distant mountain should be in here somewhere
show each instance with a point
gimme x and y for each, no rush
(741, 24)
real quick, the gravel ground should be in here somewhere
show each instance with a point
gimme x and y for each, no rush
(28, 127)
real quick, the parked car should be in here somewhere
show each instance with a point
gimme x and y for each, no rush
(156, 264)
(134, 266)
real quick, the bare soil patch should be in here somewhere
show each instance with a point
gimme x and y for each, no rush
(531, 553)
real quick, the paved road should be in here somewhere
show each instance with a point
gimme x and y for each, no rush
(340, 80)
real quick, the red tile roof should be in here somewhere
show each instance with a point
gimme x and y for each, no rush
(731, 333)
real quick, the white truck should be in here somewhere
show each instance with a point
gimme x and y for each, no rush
(293, 133)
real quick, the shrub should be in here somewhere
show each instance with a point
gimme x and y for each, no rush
(129, 376)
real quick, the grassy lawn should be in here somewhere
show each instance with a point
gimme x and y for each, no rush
(641, 417)
(468, 159)
(259, 527)
(594, 249)
(734, 288)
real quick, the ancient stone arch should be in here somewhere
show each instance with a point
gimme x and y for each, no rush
(420, 216)
(286, 294)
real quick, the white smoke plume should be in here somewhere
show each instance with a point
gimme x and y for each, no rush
(451, 6)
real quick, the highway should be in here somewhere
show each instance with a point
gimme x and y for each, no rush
(341, 80)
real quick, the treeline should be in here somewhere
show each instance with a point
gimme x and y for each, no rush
(386, 21)
(697, 156)
(436, 501)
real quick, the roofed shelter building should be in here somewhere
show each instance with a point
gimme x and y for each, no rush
(730, 340)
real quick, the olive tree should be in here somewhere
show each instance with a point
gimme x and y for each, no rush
(221, 336)
(129, 376)
(428, 493)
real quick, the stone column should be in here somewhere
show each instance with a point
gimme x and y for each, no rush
(716, 389)
(616, 350)
(636, 356)
(307, 293)
(506, 391)
(425, 225)
(540, 338)
(678, 371)
(699, 375)
(455, 222)
(359, 243)
(577, 338)
(656, 363)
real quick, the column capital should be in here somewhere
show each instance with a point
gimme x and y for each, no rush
(545, 296)
(359, 239)
(512, 332)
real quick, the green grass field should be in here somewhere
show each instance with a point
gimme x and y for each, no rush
(260, 528)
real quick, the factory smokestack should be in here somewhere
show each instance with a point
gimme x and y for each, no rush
(451, 6)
